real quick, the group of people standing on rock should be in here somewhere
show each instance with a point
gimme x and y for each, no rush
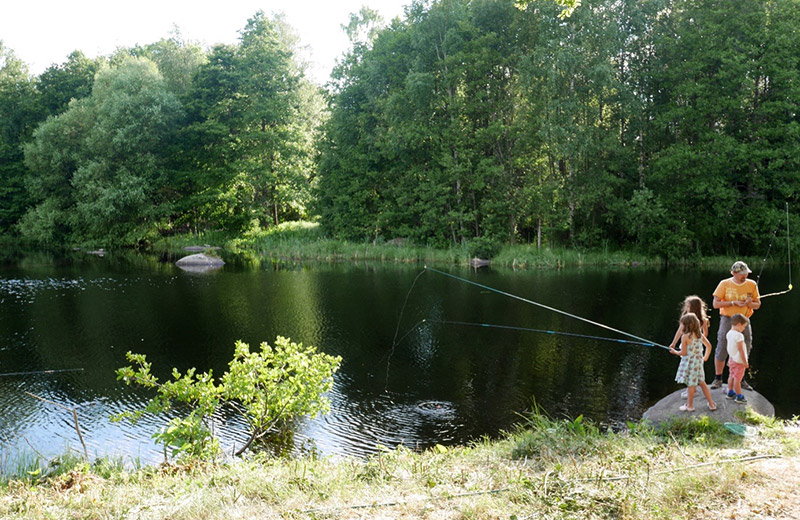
(736, 298)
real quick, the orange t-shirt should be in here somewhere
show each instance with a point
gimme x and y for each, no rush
(730, 291)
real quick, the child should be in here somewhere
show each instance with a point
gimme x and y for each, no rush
(690, 371)
(695, 305)
(737, 357)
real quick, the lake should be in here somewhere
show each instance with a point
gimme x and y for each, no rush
(441, 383)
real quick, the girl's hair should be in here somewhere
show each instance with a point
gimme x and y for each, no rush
(695, 305)
(691, 325)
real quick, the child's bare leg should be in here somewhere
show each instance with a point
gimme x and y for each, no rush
(690, 397)
(737, 386)
(707, 393)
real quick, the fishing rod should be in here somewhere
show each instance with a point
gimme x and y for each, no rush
(38, 372)
(788, 258)
(643, 340)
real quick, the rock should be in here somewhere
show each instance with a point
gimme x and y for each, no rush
(199, 262)
(667, 408)
(194, 249)
(479, 262)
(98, 252)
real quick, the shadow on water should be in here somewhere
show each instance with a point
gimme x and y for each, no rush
(442, 384)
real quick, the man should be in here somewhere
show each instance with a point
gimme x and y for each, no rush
(734, 295)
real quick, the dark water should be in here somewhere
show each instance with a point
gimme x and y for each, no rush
(443, 383)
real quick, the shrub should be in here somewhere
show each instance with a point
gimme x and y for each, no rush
(268, 388)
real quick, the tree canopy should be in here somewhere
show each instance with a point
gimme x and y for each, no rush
(668, 126)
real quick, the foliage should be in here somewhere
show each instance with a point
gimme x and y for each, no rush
(668, 128)
(628, 123)
(268, 388)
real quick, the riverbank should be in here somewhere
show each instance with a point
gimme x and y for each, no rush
(546, 469)
(304, 241)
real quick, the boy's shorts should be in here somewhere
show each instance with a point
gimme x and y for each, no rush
(736, 370)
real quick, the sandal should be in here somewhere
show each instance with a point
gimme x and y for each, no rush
(685, 408)
(712, 406)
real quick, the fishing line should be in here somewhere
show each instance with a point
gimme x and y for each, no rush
(37, 372)
(397, 329)
(524, 329)
(547, 307)
(544, 331)
(788, 257)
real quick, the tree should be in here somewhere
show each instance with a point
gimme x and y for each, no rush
(59, 84)
(100, 164)
(251, 131)
(18, 106)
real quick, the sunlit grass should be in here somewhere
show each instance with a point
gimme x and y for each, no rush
(547, 468)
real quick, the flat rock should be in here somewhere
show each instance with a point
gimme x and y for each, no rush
(668, 407)
(200, 260)
(479, 262)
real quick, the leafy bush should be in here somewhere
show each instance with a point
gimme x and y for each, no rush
(483, 247)
(268, 388)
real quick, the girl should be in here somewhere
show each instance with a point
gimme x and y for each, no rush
(695, 305)
(690, 371)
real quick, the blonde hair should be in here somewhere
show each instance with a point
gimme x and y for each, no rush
(691, 324)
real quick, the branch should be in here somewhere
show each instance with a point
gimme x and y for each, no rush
(74, 417)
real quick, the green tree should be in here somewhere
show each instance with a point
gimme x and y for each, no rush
(250, 138)
(18, 106)
(59, 84)
(100, 164)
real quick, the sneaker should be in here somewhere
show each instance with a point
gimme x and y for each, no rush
(746, 385)
(740, 399)
(717, 383)
(730, 395)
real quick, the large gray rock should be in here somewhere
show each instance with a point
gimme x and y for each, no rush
(199, 262)
(668, 407)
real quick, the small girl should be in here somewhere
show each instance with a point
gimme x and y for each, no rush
(690, 371)
(695, 305)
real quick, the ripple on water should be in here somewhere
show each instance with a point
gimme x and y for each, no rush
(360, 427)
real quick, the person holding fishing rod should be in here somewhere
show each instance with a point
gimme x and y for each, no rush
(734, 295)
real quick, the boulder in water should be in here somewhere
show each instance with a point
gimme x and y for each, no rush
(200, 262)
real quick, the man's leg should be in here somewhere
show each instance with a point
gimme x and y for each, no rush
(721, 352)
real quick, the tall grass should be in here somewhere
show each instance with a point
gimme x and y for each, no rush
(549, 468)
(305, 241)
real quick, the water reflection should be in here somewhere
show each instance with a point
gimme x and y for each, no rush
(441, 383)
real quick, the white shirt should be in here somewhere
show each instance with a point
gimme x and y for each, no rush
(734, 337)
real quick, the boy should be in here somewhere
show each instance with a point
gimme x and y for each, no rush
(737, 357)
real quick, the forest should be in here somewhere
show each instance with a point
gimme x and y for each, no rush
(670, 127)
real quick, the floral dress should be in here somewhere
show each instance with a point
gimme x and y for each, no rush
(690, 371)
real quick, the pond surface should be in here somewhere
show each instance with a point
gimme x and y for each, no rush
(441, 382)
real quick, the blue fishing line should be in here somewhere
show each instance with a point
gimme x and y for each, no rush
(544, 331)
(642, 340)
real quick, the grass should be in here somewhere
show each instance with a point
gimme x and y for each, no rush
(305, 241)
(548, 468)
